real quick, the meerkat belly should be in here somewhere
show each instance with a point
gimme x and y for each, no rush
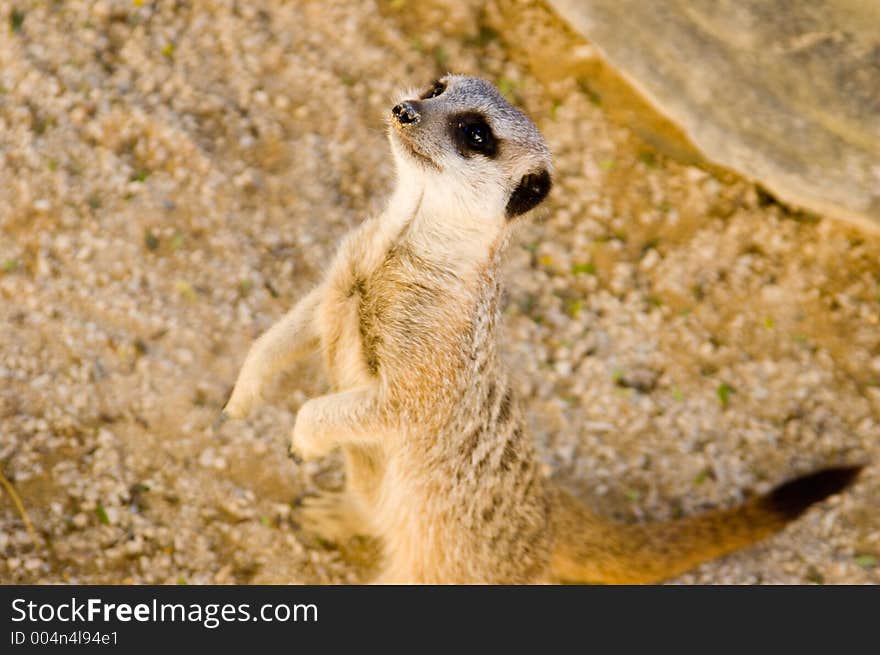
(418, 534)
(466, 503)
(460, 533)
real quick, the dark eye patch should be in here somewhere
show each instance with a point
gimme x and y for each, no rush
(437, 88)
(471, 134)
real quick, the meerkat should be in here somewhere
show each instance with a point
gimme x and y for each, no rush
(440, 468)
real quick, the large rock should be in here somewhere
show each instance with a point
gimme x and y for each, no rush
(785, 92)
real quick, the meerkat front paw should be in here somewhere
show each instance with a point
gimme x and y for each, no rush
(246, 395)
(306, 442)
(304, 447)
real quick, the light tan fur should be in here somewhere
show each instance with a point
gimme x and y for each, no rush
(439, 465)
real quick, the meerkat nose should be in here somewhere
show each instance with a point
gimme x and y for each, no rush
(406, 113)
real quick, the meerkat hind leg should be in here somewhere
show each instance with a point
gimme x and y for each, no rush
(334, 519)
(332, 516)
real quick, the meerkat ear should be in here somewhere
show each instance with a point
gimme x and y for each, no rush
(529, 193)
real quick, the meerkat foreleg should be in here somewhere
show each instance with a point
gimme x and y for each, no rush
(289, 339)
(348, 417)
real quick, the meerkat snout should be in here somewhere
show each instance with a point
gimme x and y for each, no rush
(406, 112)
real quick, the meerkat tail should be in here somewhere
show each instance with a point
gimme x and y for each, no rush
(590, 549)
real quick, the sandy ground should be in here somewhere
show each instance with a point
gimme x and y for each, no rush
(174, 179)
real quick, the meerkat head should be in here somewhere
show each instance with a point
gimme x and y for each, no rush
(462, 140)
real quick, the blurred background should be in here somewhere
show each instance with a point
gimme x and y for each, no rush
(693, 317)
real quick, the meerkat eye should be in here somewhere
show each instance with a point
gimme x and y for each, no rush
(471, 134)
(436, 89)
(478, 136)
